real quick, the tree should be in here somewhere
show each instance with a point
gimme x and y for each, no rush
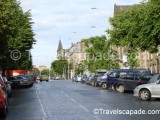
(79, 68)
(99, 54)
(16, 34)
(60, 66)
(137, 27)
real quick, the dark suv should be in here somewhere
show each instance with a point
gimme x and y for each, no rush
(111, 77)
(130, 81)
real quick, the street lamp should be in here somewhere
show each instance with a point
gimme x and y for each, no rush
(68, 68)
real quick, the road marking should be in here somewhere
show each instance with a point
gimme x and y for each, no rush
(73, 100)
(65, 93)
(44, 113)
(84, 108)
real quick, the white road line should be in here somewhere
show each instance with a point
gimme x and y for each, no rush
(84, 108)
(73, 100)
(40, 102)
(64, 93)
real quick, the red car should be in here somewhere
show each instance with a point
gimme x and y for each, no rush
(3, 85)
(3, 103)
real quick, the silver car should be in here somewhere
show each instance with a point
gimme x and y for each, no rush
(148, 91)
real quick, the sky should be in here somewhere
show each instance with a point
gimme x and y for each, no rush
(68, 20)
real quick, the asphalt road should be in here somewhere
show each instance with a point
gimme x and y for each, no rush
(66, 100)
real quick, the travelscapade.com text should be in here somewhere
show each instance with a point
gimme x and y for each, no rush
(101, 111)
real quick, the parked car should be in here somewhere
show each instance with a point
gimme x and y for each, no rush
(147, 91)
(44, 78)
(90, 78)
(78, 78)
(19, 81)
(74, 78)
(8, 87)
(130, 81)
(113, 75)
(84, 78)
(3, 103)
(30, 78)
(2, 83)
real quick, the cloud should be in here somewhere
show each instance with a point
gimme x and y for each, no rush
(60, 18)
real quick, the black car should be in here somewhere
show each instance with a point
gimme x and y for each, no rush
(30, 78)
(130, 81)
(113, 75)
(19, 81)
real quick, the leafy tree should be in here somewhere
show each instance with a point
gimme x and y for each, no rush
(15, 34)
(60, 66)
(45, 72)
(99, 54)
(137, 27)
(79, 68)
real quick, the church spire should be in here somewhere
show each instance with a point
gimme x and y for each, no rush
(60, 46)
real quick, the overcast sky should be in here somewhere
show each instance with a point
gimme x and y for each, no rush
(68, 20)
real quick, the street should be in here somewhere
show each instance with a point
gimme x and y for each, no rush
(66, 100)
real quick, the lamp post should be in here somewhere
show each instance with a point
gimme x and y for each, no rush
(68, 68)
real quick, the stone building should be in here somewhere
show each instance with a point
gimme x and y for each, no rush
(76, 55)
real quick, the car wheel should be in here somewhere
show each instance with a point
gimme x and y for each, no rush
(104, 85)
(47, 80)
(4, 111)
(145, 95)
(116, 88)
(40, 80)
(121, 88)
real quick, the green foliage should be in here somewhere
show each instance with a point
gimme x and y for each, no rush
(45, 72)
(99, 55)
(137, 27)
(131, 57)
(15, 34)
(60, 66)
(79, 68)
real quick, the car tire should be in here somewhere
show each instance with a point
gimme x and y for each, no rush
(47, 80)
(104, 85)
(4, 112)
(121, 88)
(145, 95)
(40, 80)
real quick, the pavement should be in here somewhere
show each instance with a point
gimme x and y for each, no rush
(67, 100)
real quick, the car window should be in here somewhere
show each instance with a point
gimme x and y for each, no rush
(137, 77)
(129, 77)
(11, 78)
(154, 78)
(146, 77)
(114, 74)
